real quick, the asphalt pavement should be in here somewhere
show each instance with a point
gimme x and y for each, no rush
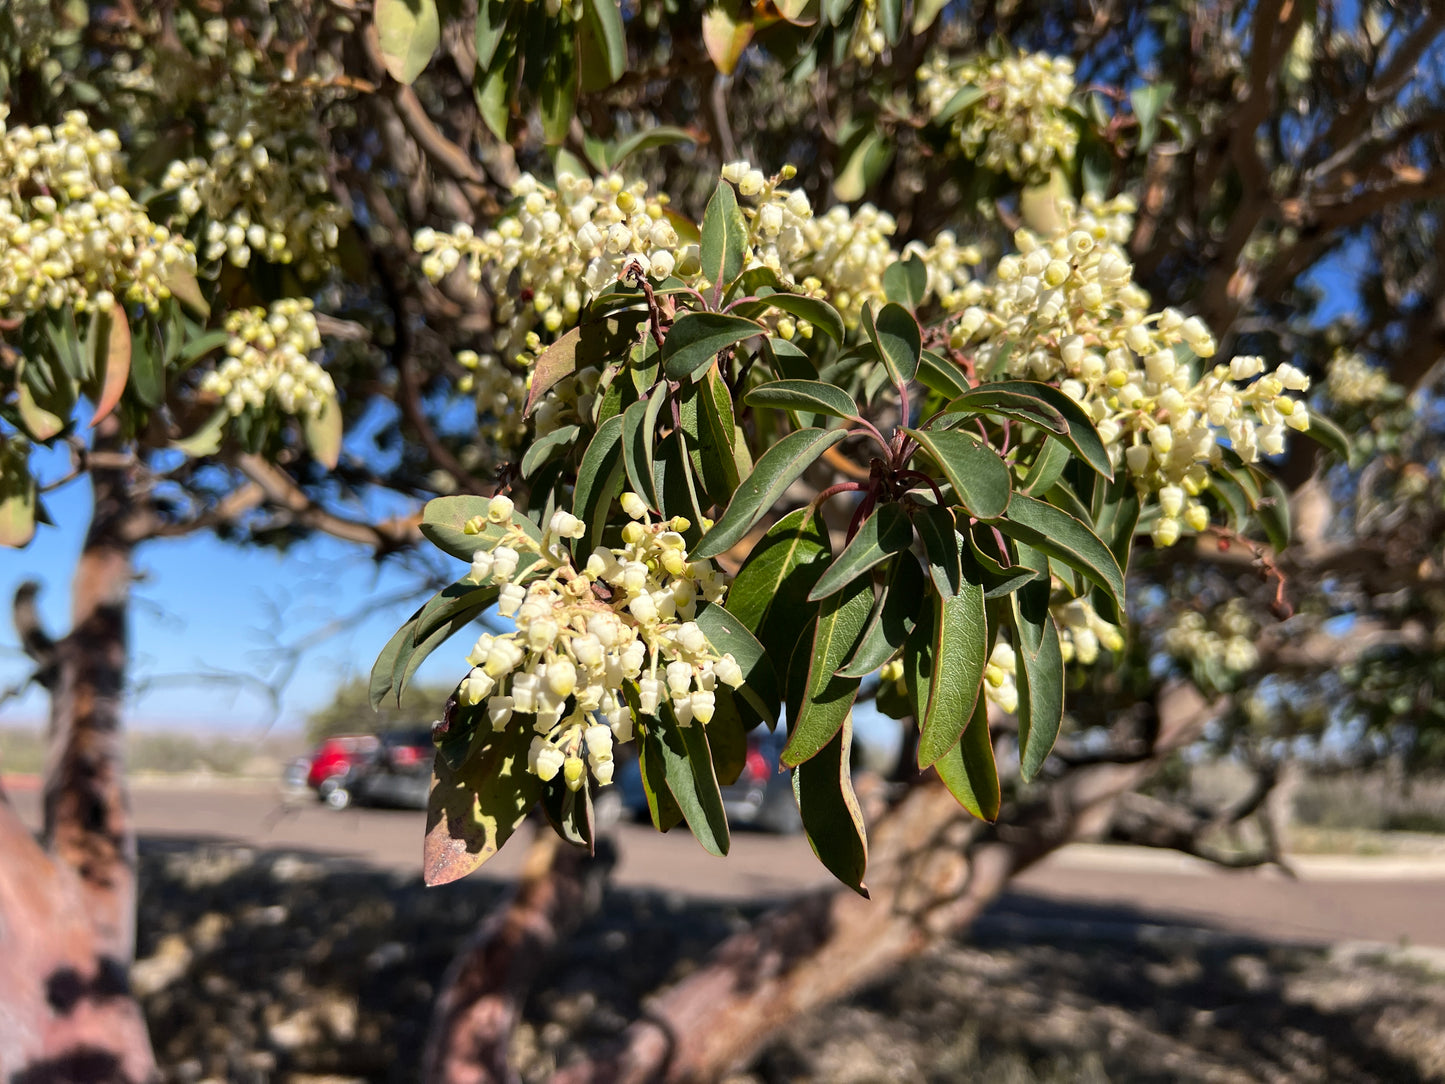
(1330, 900)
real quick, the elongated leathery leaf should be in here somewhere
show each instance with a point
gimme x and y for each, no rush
(637, 438)
(1013, 397)
(941, 375)
(968, 770)
(884, 533)
(729, 636)
(444, 520)
(812, 309)
(960, 653)
(895, 333)
(472, 812)
(696, 337)
(828, 698)
(906, 281)
(599, 480)
(687, 766)
(892, 619)
(1061, 536)
(980, 479)
(385, 665)
(823, 787)
(724, 241)
(457, 598)
(942, 548)
(776, 469)
(1040, 676)
(810, 395)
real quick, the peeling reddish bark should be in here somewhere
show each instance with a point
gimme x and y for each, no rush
(67, 901)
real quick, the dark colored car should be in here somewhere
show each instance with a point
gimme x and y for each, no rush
(761, 798)
(396, 773)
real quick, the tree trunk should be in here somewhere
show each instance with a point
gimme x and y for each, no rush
(67, 902)
(932, 870)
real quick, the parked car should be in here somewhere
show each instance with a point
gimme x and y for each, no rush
(396, 773)
(761, 798)
(334, 758)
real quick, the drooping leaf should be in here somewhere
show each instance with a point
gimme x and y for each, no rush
(112, 361)
(968, 769)
(894, 331)
(569, 811)
(557, 91)
(960, 653)
(695, 339)
(662, 807)
(602, 21)
(408, 32)
(599, 480)
(776, 578)
(942, 548)
(980, 479)
(828, 698)
(724, 243)
(1066, 539)
(729, 635)
(472, 812)
(687, 766)
(885, 532)
(832, 818)
(1040, 676)
(893, 617)
(810, 395)
(661, 136)
(776, 469)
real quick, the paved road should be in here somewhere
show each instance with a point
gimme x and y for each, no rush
(1383, 900)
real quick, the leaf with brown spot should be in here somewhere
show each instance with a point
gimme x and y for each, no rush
(473, 811)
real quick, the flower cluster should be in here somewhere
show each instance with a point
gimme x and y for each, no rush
(262, 187)
(559, 248)
(70, 233)
(1082, 632)
(1225, 639)
(1066, 308)
(594, 641)
(268, 359)
(1352, 381)
(1017, 124)
(867, 42)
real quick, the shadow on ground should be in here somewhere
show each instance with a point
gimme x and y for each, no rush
(259, 966)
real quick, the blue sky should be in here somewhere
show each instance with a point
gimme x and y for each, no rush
(211, 623)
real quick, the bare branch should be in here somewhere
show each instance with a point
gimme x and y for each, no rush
(282, 491)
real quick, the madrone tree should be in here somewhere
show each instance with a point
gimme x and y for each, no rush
(758, 357)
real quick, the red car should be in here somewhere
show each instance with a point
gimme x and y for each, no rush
(335, 757)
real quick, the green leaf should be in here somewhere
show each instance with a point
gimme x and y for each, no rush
(1148, 101)
(599, 481)
(865, 155)
(924, 14)
(942, 548)
(207, 439)
(322, 432)
(459, 598)
(809, 395)
(1078, 432)
(1040, 676)
(727, 738)
(828, 698)
(408, 32)
(544, 447)
(18, 510)
(968, 769)
(602, 20)
(941, 375)
(1329, 436)
(787, 360)
(980, 479)
(724, 243)
(491, 25)
(494, 87)
(728, 635)
(661, 136)
(409, 660)
(725, 36)
(707, 421)
(1061, 536)
(1005, 403)
(832, 818)
(776, 469)
(960, 653)
(905, 281)
(687, 766)
(569, 811)
(1046, 468)
(961, 100)
(696, 337)
(885, 532)
(471, 813)
(815, 310)
(662, 807)
(557, 92)
(794, 551)
(891, 620)
(639, 427)
(444, 520)
(896, 335)
(890, 20)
